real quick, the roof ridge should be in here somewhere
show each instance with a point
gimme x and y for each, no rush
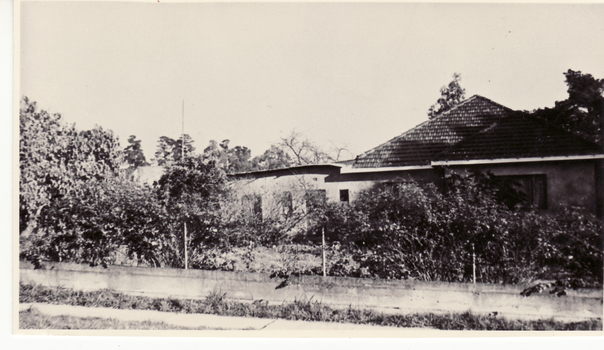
(493, 102)
(471, 98)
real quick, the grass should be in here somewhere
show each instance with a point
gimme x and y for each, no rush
(33, 319)
(306, 310)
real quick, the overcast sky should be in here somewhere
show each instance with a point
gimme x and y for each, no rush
(352, 74)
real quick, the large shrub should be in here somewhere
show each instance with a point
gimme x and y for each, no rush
(55, 158)
(190, 192)
(99, 219)
(75, 205)
(413, 231)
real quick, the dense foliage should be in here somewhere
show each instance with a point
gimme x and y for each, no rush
(190, 192)
(55, 159)
(405, 230)
(582, 113)
(419, 232)
(170, 150)
(76, 205)
(104, 216)
(111, 220)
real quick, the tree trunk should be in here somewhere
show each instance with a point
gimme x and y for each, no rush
(31, 225)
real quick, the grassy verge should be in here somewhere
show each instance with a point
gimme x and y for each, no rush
(307, 310)
(33, 319)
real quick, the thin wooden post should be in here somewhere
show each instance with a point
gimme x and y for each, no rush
(323, 251)
(186, 249)
(473, 264)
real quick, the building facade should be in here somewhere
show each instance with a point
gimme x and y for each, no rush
(552, 167)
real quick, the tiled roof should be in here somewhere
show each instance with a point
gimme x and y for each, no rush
(519, 136)
(423, 143)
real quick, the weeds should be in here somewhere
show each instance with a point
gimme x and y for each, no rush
(306, 310)
(33, 319)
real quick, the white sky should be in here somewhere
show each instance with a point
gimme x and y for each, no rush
(353, 74)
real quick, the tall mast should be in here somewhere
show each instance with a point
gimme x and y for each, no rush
(182, 159)
(182, 146)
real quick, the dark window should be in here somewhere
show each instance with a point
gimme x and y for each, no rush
(252, 205)
(344, 196)
(534, 188)
(287, 204)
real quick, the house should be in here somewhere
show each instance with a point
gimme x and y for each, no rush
(553, 167)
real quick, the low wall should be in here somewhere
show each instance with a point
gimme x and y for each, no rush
(386, 295)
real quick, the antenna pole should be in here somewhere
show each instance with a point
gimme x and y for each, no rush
(182, 158)
(182, 146)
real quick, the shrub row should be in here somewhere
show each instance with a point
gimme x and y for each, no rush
(404, 231)
(476, 223)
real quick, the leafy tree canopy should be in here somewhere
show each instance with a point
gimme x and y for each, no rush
(232, 160)
(133, 153)
(293, 150)
(100, 219)
(170, 150)
(193, 182)
(55, 158)
(273, 158)
(450, 96)
(582, 113)
(191, 190)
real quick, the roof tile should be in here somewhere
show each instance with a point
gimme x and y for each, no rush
(519, 136)
(423, 143)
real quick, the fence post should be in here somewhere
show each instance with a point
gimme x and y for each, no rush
(323, 251)
(473, 264)
(186, 250)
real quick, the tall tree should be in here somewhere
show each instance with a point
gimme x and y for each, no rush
(450, 96)
(190, 191)
(170, 150)
(165, 150)
(303, 151)
(273, 158)
(293, 150)
(133, 153)
(188, 147)
(55, 158)
(239, 159)
(217, 152)
(582, 113)
(232, 160)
